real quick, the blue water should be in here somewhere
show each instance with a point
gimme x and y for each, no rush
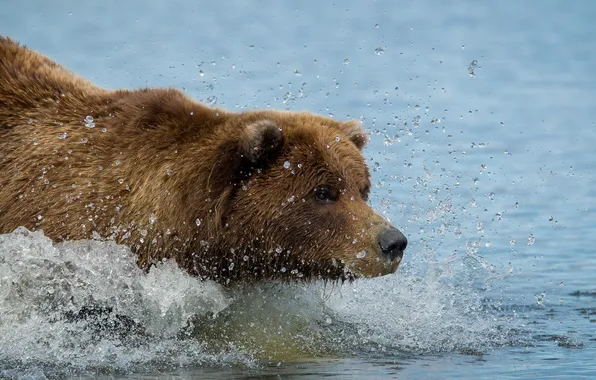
(482, 122)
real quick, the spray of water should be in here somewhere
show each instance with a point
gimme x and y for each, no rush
(85, 306)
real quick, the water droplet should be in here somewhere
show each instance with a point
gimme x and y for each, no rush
(169, 172)
(531, 239)
(337, 138)
(287, 164)
(479, 226)
(245, 258)
(291, 199)
(63, 136)
(361, 254)
(35, 141)
(152, 218)
(376, 25)
(283, 270)
(471, 67)
(231, 266)
(288, 97)
(89, 122)
(278, 250)
(379, 51)
(346, 61)
(29, 121)
(212, 100)
(198, 222)
(121, 181)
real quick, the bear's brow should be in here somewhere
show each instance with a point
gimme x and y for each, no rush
(341, 178)
(350, 169)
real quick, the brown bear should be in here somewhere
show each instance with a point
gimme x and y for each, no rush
(229, 196)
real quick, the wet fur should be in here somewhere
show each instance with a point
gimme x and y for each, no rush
(156, 162)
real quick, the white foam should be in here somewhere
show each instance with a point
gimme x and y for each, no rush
(41, 284)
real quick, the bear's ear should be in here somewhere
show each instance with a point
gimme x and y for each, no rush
(254, 146)
(260, 141)
(353, 129)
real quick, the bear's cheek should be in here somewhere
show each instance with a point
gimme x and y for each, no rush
(279, 222)
(332, 232)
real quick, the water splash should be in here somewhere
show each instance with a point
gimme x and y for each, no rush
(81, 305)
(85, 306)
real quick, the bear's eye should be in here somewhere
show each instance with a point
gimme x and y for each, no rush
(364, 193)
(326, 195)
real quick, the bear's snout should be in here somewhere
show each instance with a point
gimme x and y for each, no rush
(393, 243)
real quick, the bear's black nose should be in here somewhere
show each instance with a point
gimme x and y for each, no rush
(393, 243)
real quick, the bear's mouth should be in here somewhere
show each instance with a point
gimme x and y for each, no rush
(368, 265)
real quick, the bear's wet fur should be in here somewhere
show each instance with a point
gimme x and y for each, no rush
(229, 196)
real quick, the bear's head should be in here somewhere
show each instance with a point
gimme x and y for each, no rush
(289, 196)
